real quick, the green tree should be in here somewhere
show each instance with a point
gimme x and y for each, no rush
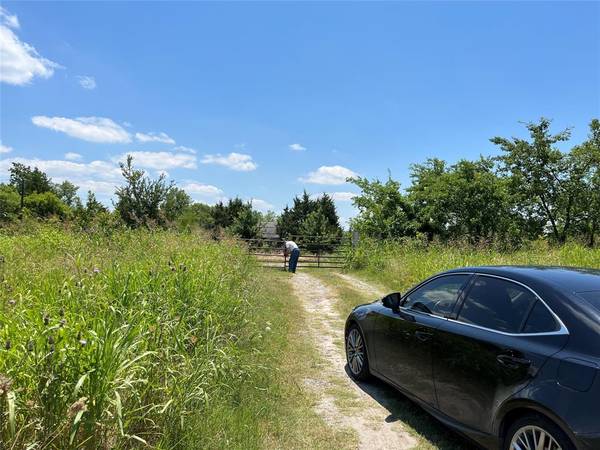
(10, 202)
(246, 224)
(46, 204)
(383, 211)
(67, 192)
(176, 201)
(540, 172)
(587, 160)
(319, 231)
(290, 222)
(29, 180)
(139, 200)
(465, 200)
(196, 215)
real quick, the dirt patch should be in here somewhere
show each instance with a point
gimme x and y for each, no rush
(360, 285)
(369, 420)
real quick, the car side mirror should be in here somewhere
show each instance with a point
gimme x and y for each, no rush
(392, 301)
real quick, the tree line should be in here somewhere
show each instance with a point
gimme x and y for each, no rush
(533, 189)
(140, 202)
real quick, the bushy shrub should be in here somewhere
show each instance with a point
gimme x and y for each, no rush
(46, 205)
(9, 202)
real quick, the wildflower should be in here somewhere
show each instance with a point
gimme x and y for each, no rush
(267, 328)
(5, 384)
(96, 271)
(193, 339)
(12, 302)
(83, 342)
(7, 345)
(77, 407)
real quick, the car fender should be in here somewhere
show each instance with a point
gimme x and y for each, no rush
(514, 404)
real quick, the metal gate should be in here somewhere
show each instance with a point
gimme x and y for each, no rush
(316, 252)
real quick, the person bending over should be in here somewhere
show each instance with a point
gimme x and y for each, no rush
(291, 249)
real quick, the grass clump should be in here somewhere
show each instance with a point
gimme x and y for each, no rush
(133, 339)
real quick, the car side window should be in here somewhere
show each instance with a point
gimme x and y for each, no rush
(436, 297)
(540, 320)
(497, 304)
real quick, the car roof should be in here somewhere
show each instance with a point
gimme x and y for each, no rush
(566, 279)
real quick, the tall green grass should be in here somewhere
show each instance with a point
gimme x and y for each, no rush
(400, 264)
(130, 339)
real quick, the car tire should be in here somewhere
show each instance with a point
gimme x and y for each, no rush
(526, 426)
(356, 354)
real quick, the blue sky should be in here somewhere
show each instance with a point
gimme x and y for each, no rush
(263, 100)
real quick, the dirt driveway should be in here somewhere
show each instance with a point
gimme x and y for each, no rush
(355, 406)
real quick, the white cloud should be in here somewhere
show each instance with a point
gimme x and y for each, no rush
(234, 161)
(205, 193)
(329, 175)
(262, 205)
(5, 148)
(193, 187)
(338, 196)
(297, 147)
(159, 160)
(98, 176)
(72, 156)
(19, 61)
(87, 82)
(92, 129)
(182, 148)
(155, 137)
(9, 20)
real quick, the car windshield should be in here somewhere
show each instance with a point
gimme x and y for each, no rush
(592, 297)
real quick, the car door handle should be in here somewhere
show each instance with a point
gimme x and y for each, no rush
(423, 336)
(512, 362)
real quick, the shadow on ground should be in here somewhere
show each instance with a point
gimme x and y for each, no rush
(408, 412)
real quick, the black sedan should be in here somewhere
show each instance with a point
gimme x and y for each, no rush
(508, 356)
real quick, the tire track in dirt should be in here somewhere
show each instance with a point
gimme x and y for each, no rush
(326, 329)
(360, 285)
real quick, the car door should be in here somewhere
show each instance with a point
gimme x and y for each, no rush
(404, 336)
(498, 340)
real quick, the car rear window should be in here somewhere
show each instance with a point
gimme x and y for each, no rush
(592, 297)
(540, 320)
(497, 304)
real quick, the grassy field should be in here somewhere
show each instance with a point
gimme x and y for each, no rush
(144, 337)
(398, 266)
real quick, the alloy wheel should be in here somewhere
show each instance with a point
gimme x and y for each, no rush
(355, 351)
(533, 438)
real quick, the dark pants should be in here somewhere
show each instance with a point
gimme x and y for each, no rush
(293, 260)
